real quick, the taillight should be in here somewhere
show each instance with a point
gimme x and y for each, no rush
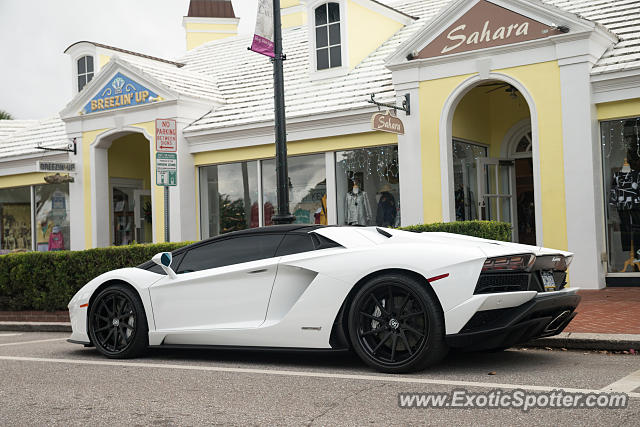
(509, 263)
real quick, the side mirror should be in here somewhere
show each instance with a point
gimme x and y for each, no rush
(163, 259)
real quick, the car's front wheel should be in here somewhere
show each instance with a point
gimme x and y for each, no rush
(395, 325)
(117, 323)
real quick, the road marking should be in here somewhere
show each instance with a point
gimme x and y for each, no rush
(10, 335)
(31, 342)
(382, 378)
(626, 384)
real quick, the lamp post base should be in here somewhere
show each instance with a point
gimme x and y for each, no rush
(283, 219)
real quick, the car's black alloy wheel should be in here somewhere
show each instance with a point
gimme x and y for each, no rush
(117, 323)
(395, 325)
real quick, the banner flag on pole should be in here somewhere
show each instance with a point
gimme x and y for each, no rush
(263, 37)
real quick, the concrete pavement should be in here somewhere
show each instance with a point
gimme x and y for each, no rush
(46, 380)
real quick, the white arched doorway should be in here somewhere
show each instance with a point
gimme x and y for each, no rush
(120, 201)
(495, 158)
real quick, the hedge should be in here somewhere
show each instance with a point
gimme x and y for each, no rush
(492, 230)
(48, 280)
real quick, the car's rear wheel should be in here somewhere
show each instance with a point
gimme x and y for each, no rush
(117, 323)
(395, 325)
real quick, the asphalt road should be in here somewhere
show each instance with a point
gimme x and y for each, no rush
(46, 381)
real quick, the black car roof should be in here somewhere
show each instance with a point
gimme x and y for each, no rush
(289, 228)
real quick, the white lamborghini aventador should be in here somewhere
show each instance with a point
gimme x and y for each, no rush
(398, 299)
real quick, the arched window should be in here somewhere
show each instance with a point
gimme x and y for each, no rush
(524, 145)
(85, 71)
(328, 43)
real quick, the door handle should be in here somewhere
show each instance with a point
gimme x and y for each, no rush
(262, 270)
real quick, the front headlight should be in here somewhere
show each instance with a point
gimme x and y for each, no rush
(522, 262)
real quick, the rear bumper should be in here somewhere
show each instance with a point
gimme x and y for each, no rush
(545, 315)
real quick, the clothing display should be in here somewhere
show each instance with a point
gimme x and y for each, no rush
(56, 240)
(357, 210)
(386, 213)
(320, 216)
(624, 194)
(625, 197)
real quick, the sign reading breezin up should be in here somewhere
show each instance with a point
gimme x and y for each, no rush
(55, 167)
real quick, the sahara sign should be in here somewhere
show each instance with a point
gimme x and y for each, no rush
(121, 91)
(386, 122)
(486, 25)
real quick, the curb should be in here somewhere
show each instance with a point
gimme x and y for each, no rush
(568, 340)
(589, 341)
(36, 326)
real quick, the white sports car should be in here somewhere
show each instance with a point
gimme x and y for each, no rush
(398, 299)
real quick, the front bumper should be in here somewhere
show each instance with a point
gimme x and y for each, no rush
(545, 315)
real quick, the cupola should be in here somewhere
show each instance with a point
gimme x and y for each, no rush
(209, 20)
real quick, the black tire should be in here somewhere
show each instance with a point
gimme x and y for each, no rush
(404, 336)
(117, 323)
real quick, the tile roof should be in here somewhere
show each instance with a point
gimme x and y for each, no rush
(184, 81)
(245, 78)
(128, 52)
(8, 127)
(621, 17)
(28, 134)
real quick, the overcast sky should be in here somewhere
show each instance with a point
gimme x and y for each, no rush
(35, 80)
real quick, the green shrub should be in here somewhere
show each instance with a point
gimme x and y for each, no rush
(48, 280)
(492, 230)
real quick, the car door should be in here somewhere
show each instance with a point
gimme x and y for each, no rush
(222, 284)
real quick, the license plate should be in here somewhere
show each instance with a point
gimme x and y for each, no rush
(547, 281)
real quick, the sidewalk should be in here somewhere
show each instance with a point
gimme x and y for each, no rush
(609, 311)
(608, 319)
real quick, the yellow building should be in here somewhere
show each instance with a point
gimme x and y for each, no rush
(519, 110)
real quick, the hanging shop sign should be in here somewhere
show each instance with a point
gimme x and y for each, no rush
(387, 122)
(166, 169)
(47, 167)
(263, 39)
(166, 135)
(486, 25)
(121, 91)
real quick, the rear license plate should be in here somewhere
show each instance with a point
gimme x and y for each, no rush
(547, 281)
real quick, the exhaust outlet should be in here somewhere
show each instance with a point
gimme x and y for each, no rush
(557, 322)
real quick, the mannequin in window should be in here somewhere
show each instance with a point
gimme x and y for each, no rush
(357, 210)
(625, 197)
(56, 239)
(386, 212)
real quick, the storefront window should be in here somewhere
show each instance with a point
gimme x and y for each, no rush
(228, 198)
(367, 182)
(621, 163)
(52, 217)
(15, 215)
(465, 178)
(307, 189)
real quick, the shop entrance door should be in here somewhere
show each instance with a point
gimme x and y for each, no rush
(142, 216)
(496, 192)
(130, 212)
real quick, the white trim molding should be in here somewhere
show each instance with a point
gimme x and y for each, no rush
(446, 136)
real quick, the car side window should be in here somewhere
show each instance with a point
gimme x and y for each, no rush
(295, 244)
(233, 250)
